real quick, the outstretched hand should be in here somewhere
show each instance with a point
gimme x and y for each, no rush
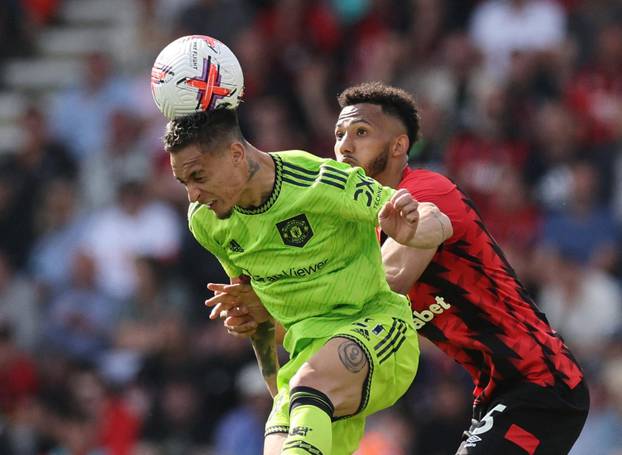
(399, 217)
(239, 306)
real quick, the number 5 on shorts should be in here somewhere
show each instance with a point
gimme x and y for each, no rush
(487, 421)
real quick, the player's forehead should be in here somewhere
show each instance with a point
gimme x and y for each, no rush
(187, 160)
(363, 112)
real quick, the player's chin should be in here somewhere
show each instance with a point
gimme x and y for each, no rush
(224, 215)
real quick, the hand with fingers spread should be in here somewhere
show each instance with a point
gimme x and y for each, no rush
(239, 306)
(399, 217)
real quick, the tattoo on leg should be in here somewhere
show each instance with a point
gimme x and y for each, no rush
(352, 356)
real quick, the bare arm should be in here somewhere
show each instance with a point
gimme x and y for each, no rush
(238, 304)
(414, 224)
(404, 265)
(433, 229)
(264, 345)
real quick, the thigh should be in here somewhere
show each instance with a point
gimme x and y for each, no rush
(392, 348)
(339, 369)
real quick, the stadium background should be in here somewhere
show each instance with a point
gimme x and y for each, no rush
(105, 347)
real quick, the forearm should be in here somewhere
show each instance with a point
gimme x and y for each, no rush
(264, 345)
(434, 227)
(404, 265)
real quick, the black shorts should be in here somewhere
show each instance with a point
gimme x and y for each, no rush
(528, 419)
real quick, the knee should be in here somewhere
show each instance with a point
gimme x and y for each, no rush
(343, 397)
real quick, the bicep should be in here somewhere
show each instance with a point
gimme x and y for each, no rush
(404, 265)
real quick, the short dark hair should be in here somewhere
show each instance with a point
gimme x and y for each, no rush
(202, 128)
(394, 101)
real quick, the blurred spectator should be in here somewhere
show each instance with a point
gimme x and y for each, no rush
(387, 433)
(40, 12)
(503, 28)
(19, 306)
(602, 434)
(75, 433)
(444, 424)
(595, 93)
(19, 384)
(23, 174)
(268, 118)
(584, 304)
(125, 157)
(478, 157)
(584, 229)
(116, 427)
(16, 38)
(214, 18)
(80, 116)
(247, 419)
(556, 145)
(18, 375)
(81, 318)
(176, 424)
(151, 313)
(119, 233)
(515, 222)
(60, 227)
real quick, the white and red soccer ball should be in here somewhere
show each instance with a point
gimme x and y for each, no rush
(196, 73)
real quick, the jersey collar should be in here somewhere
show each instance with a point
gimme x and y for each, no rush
(276, 190)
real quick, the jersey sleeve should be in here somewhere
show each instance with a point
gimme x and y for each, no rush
(199, 232)
(361, 197)
(432, 187)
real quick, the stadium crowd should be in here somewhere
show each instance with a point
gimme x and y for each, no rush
(105, 346)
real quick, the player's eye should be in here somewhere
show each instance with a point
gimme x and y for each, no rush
(197, 178)
(361, 132)
(338, 134)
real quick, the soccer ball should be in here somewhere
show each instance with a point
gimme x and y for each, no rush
(196, 73)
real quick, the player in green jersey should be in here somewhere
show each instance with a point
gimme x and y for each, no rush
(302, 229)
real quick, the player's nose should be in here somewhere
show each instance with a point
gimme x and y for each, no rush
(193, 194)
(344, 146)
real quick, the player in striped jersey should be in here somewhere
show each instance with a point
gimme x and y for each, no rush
(529, 395)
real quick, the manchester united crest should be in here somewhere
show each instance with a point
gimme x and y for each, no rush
(295, 231)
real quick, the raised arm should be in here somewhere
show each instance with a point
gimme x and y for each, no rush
(404, 265)
(414, 224)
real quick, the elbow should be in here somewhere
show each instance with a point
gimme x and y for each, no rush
(398, 281)
(447, 228)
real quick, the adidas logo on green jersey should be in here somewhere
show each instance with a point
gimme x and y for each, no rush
(235, 247)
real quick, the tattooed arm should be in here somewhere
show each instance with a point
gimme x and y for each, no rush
(264, 345)
(238, 304)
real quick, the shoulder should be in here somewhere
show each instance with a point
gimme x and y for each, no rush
(304, 169)
(422, 181)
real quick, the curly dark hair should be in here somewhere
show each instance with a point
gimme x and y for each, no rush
(206, 129)
(394, 101)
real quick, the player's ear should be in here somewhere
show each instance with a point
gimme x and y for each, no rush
(237, 152)
(400, 146)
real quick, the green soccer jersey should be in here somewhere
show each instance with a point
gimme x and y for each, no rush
(311, 249)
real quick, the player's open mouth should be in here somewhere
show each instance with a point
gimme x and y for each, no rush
(211, 203)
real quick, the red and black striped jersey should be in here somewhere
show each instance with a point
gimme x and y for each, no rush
(470, 303)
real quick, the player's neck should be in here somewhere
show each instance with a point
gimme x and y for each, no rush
(261, 176)
(392, 174)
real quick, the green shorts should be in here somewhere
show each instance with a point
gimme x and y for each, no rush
(392, 351)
